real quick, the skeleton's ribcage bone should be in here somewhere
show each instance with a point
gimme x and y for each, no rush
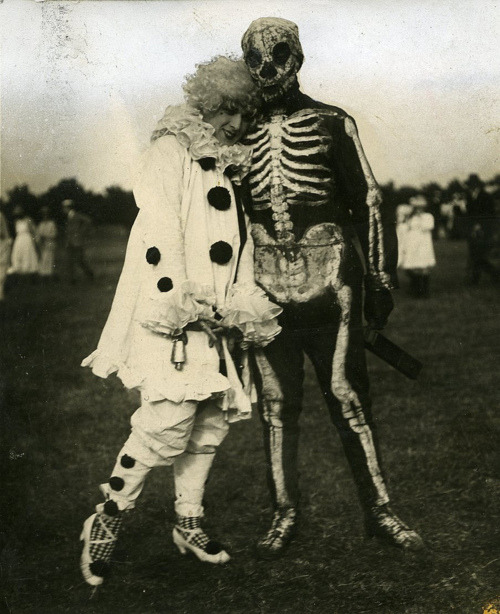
(289, 156)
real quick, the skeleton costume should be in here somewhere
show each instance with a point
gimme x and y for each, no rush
(189, 256)
(311, 196)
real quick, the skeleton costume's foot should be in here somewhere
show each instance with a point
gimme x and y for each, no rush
(99, 535)
(282, 531)
(381, 522)
(188, 535)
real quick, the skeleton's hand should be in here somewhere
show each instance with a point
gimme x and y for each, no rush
(212, 327)
(378, 306)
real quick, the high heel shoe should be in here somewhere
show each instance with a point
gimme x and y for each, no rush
(99, 541)
(213, 552)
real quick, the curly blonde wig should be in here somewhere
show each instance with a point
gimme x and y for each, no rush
(222, 83)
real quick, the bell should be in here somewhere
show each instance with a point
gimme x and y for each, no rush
(178, 356)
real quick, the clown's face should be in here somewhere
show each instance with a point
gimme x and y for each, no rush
(272, 61)
(229, 124)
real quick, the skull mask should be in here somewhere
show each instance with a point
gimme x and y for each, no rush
(273, 55)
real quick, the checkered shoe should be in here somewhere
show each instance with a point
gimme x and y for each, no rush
(283, 529)
(99, 536)
(188, 535)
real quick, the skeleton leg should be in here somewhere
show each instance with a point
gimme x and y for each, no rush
(352, 410)
(279, 416)
(280, 374)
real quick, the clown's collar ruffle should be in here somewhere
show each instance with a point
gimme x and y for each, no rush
(197, 136)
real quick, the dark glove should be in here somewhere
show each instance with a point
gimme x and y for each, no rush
(378, 306)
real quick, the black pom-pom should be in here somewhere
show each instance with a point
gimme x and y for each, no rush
(213, 547)
(165, 284)
(99, 568)
(217, 316)
(116, 483)
(207, 164)
(127, 461)
(221, 252)
(111, 508)
(153, 255)
(219, 198)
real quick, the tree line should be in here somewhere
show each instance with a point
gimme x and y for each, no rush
(117, 206)
(114, 206)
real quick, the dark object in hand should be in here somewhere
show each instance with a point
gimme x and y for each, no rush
(378, 306)
(392, 354)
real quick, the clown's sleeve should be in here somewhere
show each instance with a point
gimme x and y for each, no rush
(154, 262)
(112, 349)
(375, 226)
(158, 194)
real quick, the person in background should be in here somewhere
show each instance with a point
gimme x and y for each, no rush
(417, 254)
(434, 208)
(402, 213)
(188, 271)
(24, 257)
(77, 230)
(46, 233)
(5, 247)
(481, 225)
(453, 212)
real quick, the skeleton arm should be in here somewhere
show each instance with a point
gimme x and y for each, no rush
(378, 239)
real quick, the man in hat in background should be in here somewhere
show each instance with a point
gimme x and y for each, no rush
(77, 230)
(311, 196)
(481, 221)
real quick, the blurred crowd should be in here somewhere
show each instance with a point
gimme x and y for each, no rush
(31, 230)
(28, 250)
(472, 213)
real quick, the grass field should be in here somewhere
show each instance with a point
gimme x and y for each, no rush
(62, 428)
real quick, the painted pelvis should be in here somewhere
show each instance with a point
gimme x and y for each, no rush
(298, 272)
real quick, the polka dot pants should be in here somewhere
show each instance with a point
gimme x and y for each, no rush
(164, 433)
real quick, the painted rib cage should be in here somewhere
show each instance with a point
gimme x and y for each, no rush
(293, 153)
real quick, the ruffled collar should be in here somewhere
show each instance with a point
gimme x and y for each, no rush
(197, 136)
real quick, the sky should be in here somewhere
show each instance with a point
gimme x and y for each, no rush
(83, 83)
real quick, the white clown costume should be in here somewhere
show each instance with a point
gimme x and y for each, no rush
(189, 255)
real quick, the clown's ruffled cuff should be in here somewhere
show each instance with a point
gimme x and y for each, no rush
(103, 365)
(168, 314)
(248, 309)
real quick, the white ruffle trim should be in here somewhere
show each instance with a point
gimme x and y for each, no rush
(197, 136)
(248, 309)
(170, 312)
(200, 386)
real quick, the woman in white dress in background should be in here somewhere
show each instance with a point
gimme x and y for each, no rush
(5, 247)
(24, 257)
(417, 251)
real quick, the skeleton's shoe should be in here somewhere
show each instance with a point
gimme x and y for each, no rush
(381, 522)
(188, 535)
(283, 529)
(99, 536)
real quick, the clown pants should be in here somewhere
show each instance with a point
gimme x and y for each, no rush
(185, 435)
(312, 329)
